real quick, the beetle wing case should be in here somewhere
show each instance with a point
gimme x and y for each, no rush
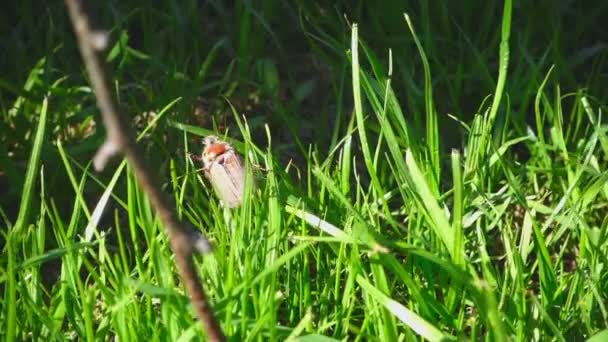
(227, 176)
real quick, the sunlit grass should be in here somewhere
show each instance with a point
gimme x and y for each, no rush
(384, 229)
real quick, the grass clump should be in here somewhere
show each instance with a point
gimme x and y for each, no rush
(427, 179)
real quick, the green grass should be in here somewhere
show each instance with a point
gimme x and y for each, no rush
(435, 175)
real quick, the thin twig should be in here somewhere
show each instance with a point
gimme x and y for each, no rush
(184, 242)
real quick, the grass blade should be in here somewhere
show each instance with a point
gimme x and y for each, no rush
(410, 318)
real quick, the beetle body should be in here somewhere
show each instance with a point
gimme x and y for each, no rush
(225, 170)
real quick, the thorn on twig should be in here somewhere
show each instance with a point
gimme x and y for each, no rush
(99, 40)
(105, 152)
(200, 243)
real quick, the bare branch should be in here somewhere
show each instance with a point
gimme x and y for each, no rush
(184, 242)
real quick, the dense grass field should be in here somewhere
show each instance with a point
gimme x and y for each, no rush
(425, 171)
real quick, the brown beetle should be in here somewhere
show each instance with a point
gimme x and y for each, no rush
(225, 170)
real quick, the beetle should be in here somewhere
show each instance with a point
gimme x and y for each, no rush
(224, 169)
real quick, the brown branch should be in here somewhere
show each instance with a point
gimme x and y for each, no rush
(184, 242)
